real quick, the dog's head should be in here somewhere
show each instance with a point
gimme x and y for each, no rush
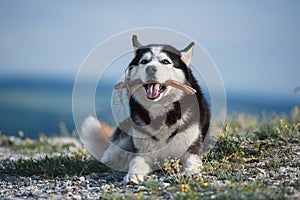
(154, 64)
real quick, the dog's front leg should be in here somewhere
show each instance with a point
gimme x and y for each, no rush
(138, 169)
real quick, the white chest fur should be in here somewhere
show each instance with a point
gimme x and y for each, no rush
(163, 146)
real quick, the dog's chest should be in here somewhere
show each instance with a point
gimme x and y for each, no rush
(167, 142)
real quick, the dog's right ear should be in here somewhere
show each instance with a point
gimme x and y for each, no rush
(186, 54)
(136, 44)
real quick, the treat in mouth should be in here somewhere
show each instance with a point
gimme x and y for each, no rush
(153, 90)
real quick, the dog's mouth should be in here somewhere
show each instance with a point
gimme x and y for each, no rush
(154, 90)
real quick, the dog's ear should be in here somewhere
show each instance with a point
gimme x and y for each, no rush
(186, 54)
(136, 44)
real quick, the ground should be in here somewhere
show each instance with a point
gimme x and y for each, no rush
(255, 157)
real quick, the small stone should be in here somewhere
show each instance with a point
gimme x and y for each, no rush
(272, 173)
(141, 188)
(262, 171)
(76, 197)
(94, 190)
(294, 141)
(281, 170)
(106, 187)
(165, 185)
(28, 182)
(82, 178)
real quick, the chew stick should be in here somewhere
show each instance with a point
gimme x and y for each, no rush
(187, 89)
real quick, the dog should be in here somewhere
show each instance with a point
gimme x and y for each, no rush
(164, 121)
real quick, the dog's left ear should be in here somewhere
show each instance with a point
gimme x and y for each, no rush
(186, 54)
(136, 44)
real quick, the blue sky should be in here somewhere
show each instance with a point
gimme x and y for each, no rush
(255, 44)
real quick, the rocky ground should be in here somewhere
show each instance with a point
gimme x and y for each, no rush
(262, 165)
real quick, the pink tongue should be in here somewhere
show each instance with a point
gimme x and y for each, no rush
(153, 90)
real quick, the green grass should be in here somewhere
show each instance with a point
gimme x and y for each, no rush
(244, 163)
(49, 167)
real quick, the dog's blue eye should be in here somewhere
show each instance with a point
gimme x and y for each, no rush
(144, 62)
(165, 62)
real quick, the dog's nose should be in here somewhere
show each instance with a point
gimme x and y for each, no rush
(151, 69)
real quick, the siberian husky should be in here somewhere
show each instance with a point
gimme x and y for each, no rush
(165, 121)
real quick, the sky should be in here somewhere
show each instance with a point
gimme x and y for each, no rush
(254, 44)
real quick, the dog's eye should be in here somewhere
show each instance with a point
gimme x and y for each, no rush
(165, 62)
(144, 62)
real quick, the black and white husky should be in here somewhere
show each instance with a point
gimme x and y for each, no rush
(164, 121)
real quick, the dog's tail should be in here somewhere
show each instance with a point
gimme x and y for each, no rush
(95, 136)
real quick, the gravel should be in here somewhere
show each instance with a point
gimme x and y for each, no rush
(12, 187)
(98, 185)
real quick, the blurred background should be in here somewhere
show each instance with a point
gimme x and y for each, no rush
(255, 45)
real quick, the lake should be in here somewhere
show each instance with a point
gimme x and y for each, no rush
(45, 106)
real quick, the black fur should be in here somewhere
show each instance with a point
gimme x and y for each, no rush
(138, 113)
(174, 115)
(172, 135)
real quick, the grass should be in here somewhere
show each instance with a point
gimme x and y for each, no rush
(50, 167)
(253, 158)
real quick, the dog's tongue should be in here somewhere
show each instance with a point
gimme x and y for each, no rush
(153, 90)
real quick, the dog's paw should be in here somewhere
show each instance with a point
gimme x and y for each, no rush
(134, 178)
(138, 169)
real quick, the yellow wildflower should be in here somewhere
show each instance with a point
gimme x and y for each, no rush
(235, 154)
(77, 154)
(21, 133)
(42, 139)
(222, 135)
(248, 159)
(28, 141)
(224, 159)
(167, 168)
(185, 188)
(200, 179)
(227, 182)
(205, 184)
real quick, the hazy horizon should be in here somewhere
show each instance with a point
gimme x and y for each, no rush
(255, 45)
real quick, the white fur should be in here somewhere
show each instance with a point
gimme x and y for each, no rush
(156, 50)
(152, 151)
(165, 72)
(92, 137)
(186, 56)
(138, 168)
(117, 157)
